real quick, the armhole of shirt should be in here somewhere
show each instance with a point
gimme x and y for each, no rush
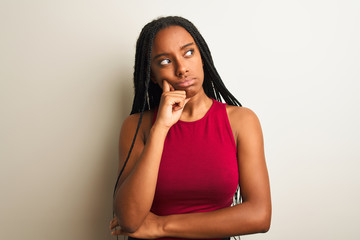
(228, 126)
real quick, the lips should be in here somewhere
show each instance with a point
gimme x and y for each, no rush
(185, 83)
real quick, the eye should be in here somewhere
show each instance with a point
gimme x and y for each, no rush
(165, 61)
(189, 52)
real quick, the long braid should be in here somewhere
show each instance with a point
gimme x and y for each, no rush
(136, 99)
(145, 104)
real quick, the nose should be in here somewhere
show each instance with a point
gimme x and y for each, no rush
(181, 68)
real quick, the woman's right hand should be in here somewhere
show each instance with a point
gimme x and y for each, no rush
(171, 106)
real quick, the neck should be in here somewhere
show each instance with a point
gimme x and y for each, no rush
(196, 107)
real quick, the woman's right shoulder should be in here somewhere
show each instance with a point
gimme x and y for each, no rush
(134, 118)
(130, 123)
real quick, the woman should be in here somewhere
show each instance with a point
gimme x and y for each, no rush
(191, 151)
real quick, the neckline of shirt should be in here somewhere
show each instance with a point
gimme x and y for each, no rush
(201, 119)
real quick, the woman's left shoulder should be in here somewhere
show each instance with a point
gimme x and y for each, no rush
(244, 122)
(241, 114)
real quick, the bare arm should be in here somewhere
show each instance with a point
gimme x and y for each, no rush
(136, 189)
(135, 193)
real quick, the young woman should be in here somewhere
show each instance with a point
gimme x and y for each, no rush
(191, 152)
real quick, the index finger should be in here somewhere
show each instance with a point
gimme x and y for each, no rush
(166, 86)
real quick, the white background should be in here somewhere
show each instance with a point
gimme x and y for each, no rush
(66, 86)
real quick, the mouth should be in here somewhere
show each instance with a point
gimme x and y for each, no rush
(185, 83)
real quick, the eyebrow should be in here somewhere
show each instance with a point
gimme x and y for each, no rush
(165, 54)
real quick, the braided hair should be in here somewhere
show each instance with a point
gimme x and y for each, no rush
(147, 94)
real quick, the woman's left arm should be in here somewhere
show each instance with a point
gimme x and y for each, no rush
(253, 215)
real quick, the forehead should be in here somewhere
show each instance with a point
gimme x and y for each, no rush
(171, 38)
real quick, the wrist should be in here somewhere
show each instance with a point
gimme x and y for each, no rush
(159, 129)
(165, 226)
(168, 227)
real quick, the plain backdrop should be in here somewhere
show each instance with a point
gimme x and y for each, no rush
(66, 86)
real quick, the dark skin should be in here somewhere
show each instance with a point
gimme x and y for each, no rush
(177, 67)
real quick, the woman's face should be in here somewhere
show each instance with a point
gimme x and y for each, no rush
(176, 59)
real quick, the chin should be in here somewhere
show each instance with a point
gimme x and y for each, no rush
(190, 93)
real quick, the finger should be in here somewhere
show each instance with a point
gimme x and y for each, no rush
(114, 223)
(171, 87)
(113, 220)
(166, 86)
(118, 232)
(175, 94)
(181, 104)
(175, 99)
(173, 91)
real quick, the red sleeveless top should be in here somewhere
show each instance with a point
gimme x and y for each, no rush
(198, 170)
